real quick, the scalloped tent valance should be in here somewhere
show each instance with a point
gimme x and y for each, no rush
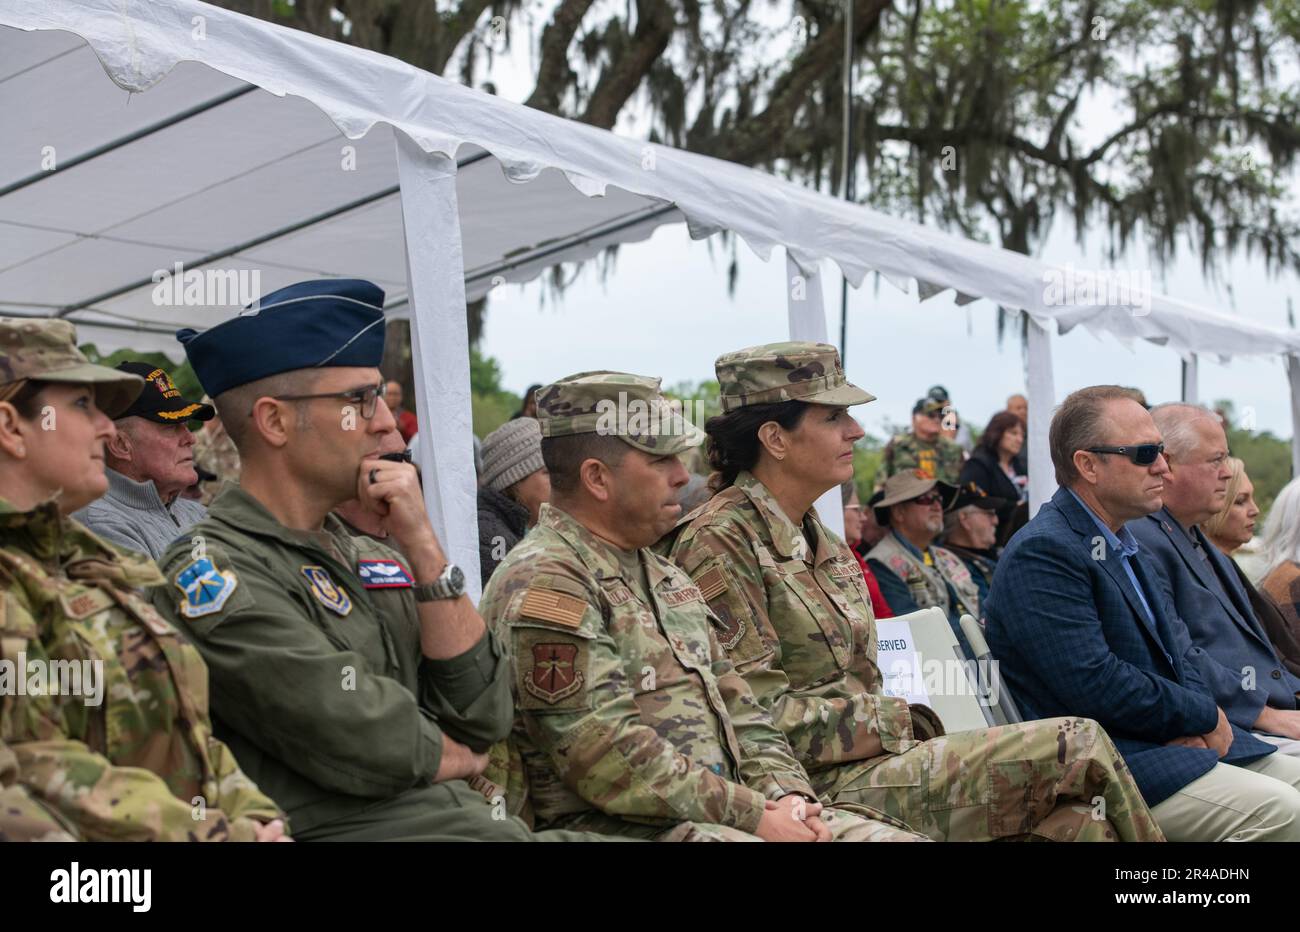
(248, 147)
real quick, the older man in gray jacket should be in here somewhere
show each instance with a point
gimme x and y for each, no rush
(150, 462)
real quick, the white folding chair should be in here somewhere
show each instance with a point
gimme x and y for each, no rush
(999, 706)
(922, 661)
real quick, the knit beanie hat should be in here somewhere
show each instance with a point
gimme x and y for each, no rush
(512, 452)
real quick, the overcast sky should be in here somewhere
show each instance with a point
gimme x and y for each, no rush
(665, 311)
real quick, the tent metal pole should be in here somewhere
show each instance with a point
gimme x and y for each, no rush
(129, 138)
(256, 241)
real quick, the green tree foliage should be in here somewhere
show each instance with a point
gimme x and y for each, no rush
(491, 404)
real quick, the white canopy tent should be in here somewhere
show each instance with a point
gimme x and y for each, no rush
(259, 148)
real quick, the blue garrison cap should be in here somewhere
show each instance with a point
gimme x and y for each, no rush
(332, 322)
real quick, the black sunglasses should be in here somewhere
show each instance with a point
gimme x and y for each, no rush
(1142, 454)
(403, 457)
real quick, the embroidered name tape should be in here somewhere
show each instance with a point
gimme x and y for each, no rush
(384, 574)
(681, 596)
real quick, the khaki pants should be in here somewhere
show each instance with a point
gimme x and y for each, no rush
(1259, 801)
(1287, 746)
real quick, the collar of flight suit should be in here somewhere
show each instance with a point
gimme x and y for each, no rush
(242, 511)
(787, 538)
(597, 554)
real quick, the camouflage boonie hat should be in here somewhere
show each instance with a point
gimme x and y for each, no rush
(616, 404)
(46, 349)
(778, 372)
(905, 486)
(929, 406)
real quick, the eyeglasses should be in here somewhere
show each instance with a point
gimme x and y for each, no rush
(928, 499)
(366, 399)
(1142, 454)
(403, 457)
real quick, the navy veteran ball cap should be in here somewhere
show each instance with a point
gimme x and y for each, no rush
(331, 322)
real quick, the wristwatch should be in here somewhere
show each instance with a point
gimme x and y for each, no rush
(450, 585)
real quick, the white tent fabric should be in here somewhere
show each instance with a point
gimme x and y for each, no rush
(207, 173)
(266, 149)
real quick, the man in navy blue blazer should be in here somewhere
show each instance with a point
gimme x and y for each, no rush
(1237, 659)
(1081, 624)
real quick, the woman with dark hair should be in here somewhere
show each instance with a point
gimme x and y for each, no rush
(795, 619)
(992, 467)
(118, 746)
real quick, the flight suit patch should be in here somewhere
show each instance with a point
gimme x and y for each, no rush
(383, 574)
(206, 588)
(324, 591)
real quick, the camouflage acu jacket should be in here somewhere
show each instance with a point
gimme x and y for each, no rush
(797, 623)
(940, 460)
(623, 708)
(141, 763)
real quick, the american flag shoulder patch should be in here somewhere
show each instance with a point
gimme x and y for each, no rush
(712, 584)
(552, 606)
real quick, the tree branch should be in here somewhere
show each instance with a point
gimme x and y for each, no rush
(554, 74)
(752, 140)
(619, 80)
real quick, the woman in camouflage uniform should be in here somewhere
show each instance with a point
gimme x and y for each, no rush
(103, 704)
(796, 620)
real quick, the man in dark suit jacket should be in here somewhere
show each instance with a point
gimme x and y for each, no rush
(1081, 624)
(1238, 662)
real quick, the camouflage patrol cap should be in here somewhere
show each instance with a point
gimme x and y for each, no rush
(616, 404)
(778, 372)
(46, 349)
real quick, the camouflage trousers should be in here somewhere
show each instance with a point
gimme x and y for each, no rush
(844, 826)
(1058, 779)
(24, 819)
(21, 817)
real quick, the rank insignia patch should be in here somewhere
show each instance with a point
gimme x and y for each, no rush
(324, 590)
(205, 588)
(383, 574)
